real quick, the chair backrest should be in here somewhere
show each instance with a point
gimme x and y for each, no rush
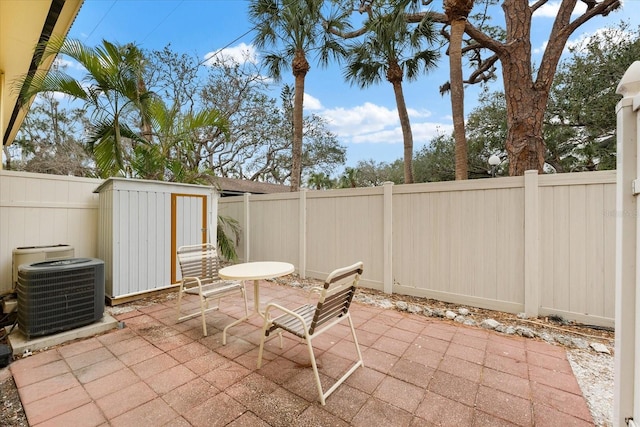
(336, 297)
(199, 261)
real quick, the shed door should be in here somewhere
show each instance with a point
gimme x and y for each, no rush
(188, 225)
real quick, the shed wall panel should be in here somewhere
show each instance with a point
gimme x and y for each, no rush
(140, 240)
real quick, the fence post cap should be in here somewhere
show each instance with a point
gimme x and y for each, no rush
(630, 83)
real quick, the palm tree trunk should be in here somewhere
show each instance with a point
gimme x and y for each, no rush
(145, 125)
(457, 97)
(407, 135)
(300, 68)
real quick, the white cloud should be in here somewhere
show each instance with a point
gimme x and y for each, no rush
(312, 103)
(540, 50)
(65, 63)
(237, 54)
(362, 119)
(418, 113)
(550, 9)
(376, 124)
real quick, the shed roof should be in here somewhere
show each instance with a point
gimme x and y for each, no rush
(236, 187)
(118, 183)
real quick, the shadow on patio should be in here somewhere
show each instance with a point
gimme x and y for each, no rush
(418, 372)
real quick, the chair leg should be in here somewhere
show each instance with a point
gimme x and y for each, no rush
(179, 301)
(235, 322)
(246, 305)
(204, 320)
(355, 366)
(262, 339)
(355, 339)
(312, 357)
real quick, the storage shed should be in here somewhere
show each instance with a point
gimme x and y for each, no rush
(141, 224)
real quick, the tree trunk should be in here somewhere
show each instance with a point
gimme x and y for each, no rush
(526, 100)
(300, 69)
(145, 124)
(457, 96)
(7, 155)
(525, 144)
(394, 75)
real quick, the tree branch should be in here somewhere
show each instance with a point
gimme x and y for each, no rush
(537, 5)
(593, 9)
(485, 70)
(562, 30)
(484, 40)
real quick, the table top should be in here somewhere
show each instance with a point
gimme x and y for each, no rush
(256, 270)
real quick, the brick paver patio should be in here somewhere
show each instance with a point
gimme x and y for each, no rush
(418, 372)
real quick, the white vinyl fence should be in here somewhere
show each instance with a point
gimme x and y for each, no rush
(136, 242)
(626, 409)
(46, 210)
(540, 244)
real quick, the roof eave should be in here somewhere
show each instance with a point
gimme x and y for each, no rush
(52, 17)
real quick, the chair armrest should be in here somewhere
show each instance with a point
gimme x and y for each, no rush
(189, 279)
(286, 311)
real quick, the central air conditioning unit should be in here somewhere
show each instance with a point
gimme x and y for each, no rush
(55, 296)
(32, 254)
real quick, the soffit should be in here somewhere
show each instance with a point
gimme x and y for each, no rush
(22, 25)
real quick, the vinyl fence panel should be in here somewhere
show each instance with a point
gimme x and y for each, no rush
(539, 244)
(45, 210)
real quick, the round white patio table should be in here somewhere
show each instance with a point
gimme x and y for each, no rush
(256, 271)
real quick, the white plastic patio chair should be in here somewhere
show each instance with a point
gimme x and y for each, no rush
(199, 268)
(309, 321)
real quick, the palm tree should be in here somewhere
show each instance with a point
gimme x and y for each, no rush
(349, 179)
(110, 91)
(170, 157)
(320, 181)
(392, 50)
(171, 154)
(294, 29)
(227, 244)
(456, 12)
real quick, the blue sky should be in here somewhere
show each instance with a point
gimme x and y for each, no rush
(365, 121)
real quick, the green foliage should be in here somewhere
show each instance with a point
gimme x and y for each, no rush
(261, 131)
(110, 92)
(294, 30)
(49, 141)
(320, 181)
(580, 122)
(293, 27)
(436, 162)
(389, 42)
(349, 179)
(174, 143)
(369, 173)
(228, 236)
(393, 50)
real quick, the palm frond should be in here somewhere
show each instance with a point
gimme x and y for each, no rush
(226, 244)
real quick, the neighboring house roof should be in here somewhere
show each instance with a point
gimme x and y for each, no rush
(23, 24)
(236, 187)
